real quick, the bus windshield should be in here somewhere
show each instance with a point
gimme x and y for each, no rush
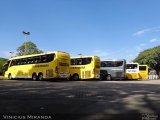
(142, 68)
(111, 63)
(5, 66)
(81, 61)
(132, 66)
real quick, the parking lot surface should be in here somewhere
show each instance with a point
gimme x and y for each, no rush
(81, 100)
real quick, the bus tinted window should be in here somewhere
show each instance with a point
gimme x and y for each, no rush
(78, 61)
(81, 61)
(131, 66)
(111, 63)
(49, 57)
(103, 64)
(86, 61)
(13, 62)
(33, 60)
(143, 68)
(30, 60)
(72, 61)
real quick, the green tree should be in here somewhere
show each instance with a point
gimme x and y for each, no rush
(31, 48)
(2, 62)
(150, 57)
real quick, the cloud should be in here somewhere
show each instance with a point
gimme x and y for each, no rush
(144, 31)
(141, 32)
(154, 40)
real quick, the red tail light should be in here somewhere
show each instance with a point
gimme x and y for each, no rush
(57, 69)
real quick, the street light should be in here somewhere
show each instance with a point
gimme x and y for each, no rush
(25, 38)
(11, 54)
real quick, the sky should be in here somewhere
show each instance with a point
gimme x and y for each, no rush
(110, 29)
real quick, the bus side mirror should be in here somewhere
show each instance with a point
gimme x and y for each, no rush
(5, 66)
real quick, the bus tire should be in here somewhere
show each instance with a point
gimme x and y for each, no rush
(40, 76)
(9, 76)
(101, 76)
(75, 77)
(108, 77)
(34, 76)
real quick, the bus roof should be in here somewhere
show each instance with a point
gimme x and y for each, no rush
(83, 56)
(114, 60)
(24, 56)
(132, 63)
(143, 65)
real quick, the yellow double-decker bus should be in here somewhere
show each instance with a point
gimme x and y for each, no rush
(39, 66)
(85, 67)
(143, 72)
(132, 71)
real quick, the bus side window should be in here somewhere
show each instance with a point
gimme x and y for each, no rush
(37, 59)
(49, 57)
(29, 60)
(32, 60)
(24, 61)
(78, 61)
(72, 61)
(43, 58)
(103, 64)
(86, 61)
(119, 63)
(18, 62)
(13, 62)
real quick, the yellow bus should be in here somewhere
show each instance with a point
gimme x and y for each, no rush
(143, 72)
(85, 67)
(39, 66)
(132, 71)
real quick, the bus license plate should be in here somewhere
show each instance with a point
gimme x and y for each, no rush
(63, 75)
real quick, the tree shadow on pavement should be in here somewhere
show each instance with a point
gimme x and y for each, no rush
(81, 100)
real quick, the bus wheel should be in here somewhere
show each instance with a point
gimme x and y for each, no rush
(34, 76)
(9, 76)
(40, 76)
(108, 77)
(101, 76)
(75, 77)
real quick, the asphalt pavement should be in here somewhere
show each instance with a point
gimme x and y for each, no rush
(81, 100)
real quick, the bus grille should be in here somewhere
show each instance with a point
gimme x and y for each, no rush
(64, 69)
(119, 74)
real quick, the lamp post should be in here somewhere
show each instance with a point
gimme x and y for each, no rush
(11, 54)
(25, 38)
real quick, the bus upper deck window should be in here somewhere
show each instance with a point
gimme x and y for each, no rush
(103, 64)
(79, 62)
(44, 58)
(72, 61)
